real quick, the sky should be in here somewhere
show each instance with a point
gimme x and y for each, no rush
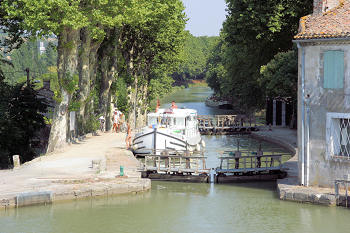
(205, 16)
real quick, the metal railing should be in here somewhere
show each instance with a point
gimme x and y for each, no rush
(175, 162)
(250, 163)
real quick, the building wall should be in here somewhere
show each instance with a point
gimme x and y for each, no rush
(321, 6)
(323, 169)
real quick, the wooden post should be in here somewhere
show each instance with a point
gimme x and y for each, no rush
(274, 113)
(16, 161)
(180, 162)
(245, 163)
(283, 114)
(169, 164)
(158, 163)
(188, 163)
(145, 165)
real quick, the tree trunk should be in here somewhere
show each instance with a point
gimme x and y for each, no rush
(66, 68)
(110, 108)
(142, 106)
(108, 69)
(84, 75)
(89, 103)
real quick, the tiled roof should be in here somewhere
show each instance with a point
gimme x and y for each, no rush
(332, 24)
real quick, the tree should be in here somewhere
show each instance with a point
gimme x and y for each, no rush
(280, 75)
(253, 33)
(151, 38)
(20, 119)
(194, 58)
(28, 56)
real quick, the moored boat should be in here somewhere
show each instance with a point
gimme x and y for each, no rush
(169, 130)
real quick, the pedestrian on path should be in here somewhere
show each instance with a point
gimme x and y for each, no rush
(128, 137)
(116, 120)
(102, 123)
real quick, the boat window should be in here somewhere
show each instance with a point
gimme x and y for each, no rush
(180, 121)
(152, 120)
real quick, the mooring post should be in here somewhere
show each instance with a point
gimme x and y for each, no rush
(16, 161)
(259, 154)
(188, 163)
(237, 157)
(212, 176)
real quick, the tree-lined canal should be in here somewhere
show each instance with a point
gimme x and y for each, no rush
(181, 207)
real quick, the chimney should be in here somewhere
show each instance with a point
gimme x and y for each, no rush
(322, 6)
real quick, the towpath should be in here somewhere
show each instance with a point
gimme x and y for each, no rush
(91, 165)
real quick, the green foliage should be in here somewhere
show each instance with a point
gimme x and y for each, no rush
(216, 71)
(27, 56)
(194, 58)
(92, 124)
(252, 34)
(70, 83)
(120, 88)
(280, 75)
(160, 86)
(20, 119)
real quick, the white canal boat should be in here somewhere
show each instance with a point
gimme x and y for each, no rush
(170, 130)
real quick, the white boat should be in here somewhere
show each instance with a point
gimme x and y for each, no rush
(169, 130)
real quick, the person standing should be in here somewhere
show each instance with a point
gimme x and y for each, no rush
(102, 123)
(128, 136)
(119, 120)
(115, 121)
(173, 105)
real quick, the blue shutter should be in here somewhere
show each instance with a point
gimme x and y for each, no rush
(333, 67)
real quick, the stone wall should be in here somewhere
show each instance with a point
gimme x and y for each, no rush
(323, 168)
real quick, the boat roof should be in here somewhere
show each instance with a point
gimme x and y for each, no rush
(177, 112)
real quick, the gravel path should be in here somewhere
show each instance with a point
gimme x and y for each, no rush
(74, 163)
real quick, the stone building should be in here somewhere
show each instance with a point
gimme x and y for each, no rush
(324, 93)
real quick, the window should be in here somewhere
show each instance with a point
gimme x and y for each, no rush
(338, 134)
(152, 120)
(333, 69)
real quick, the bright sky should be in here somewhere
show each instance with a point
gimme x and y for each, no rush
(205, 16)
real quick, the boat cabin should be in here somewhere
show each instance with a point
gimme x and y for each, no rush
(182, 121)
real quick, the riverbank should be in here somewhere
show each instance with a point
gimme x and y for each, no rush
(289, 189)
(87, 169)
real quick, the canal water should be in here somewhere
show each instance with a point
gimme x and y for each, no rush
(181, 207)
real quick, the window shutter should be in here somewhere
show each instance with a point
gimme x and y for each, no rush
(333, 66)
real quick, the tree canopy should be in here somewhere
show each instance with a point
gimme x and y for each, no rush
(194, 58)
(118, 51)
(253, 33)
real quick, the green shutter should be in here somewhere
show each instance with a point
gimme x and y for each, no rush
(333, 69)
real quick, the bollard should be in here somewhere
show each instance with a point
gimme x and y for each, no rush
(212, 175)
(121, 171)
(16, 161)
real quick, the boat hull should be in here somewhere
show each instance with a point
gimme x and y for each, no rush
(156, 140)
